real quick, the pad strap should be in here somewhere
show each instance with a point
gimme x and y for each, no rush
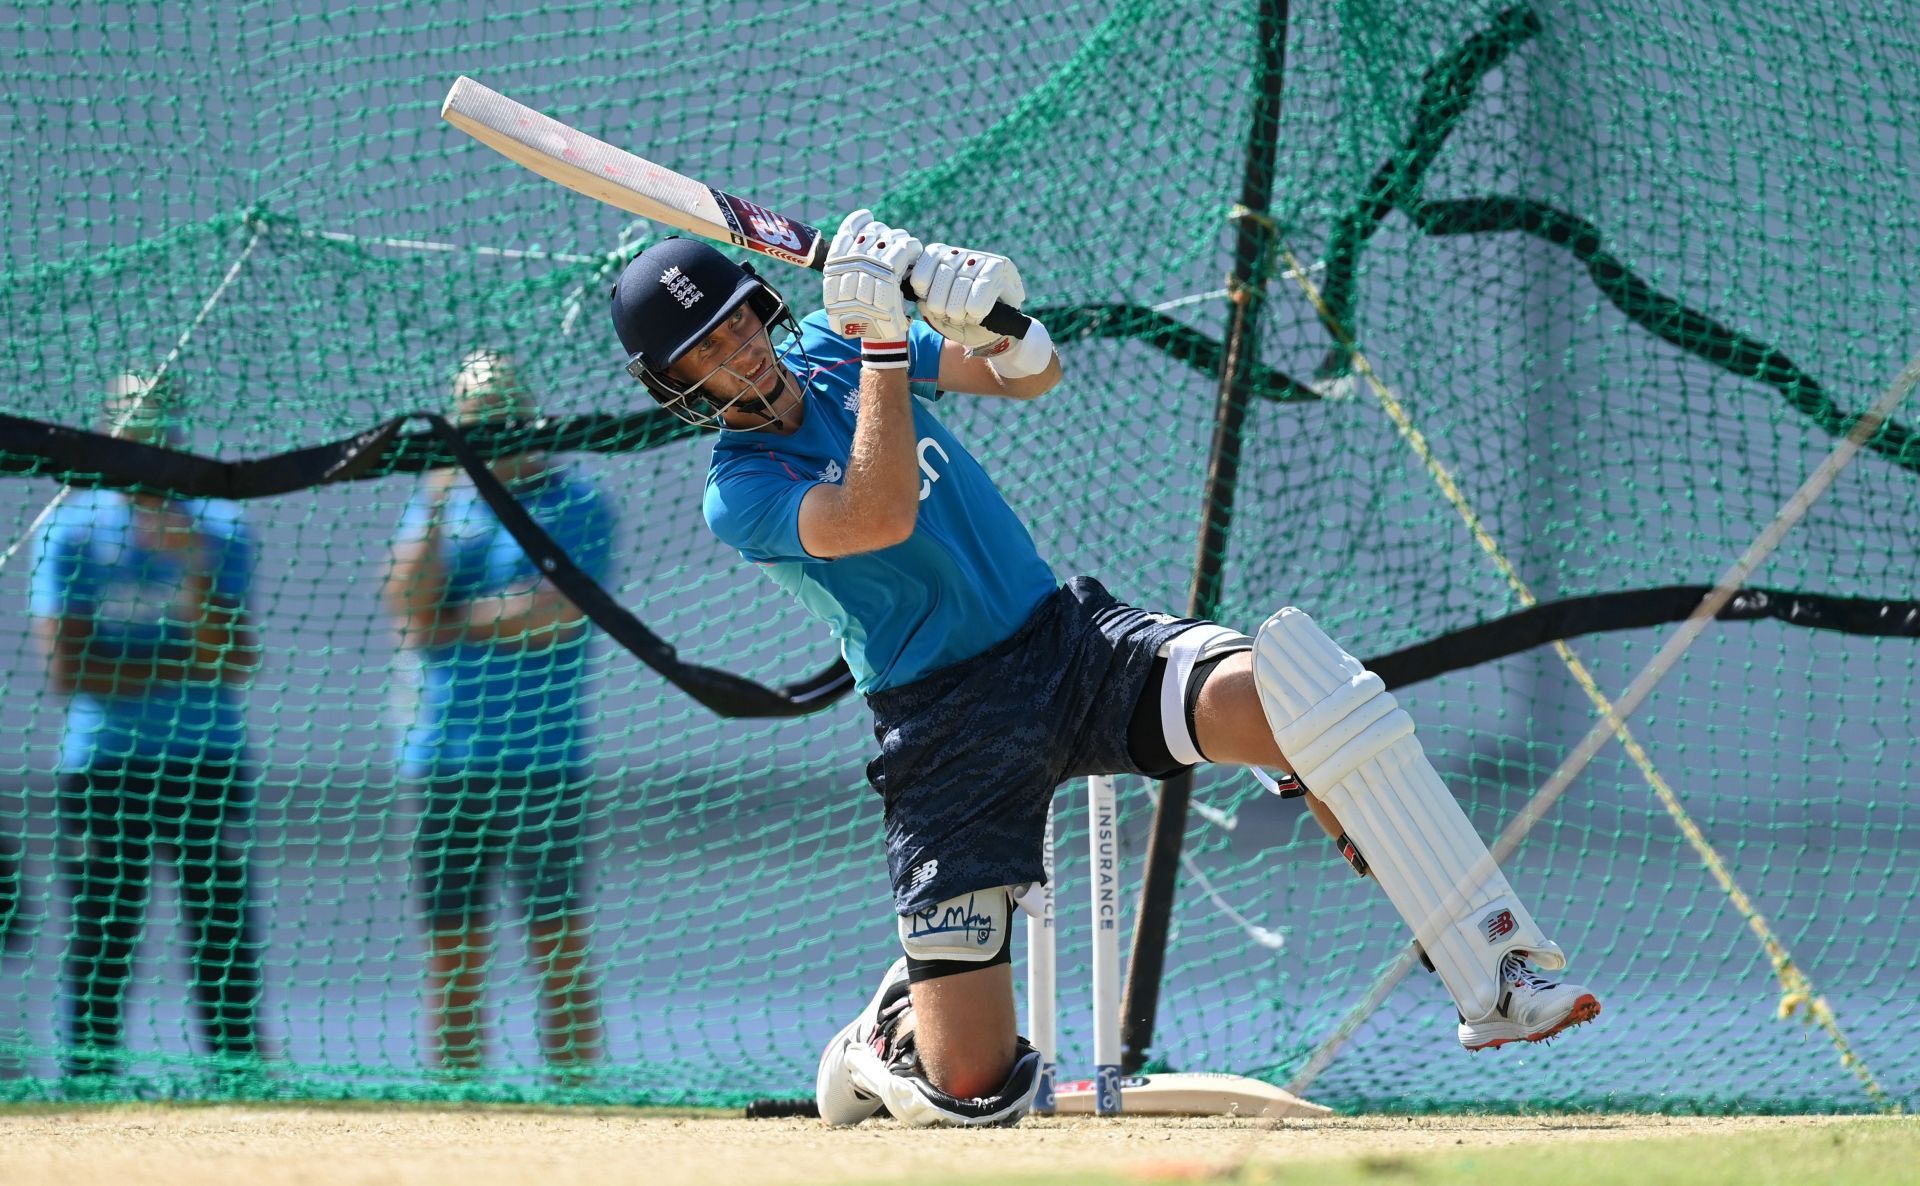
(1183, 652)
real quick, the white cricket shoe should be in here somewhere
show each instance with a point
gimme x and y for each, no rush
(839, 1101)
(1531, 1009)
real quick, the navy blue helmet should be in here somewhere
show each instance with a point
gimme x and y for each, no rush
(671, 296)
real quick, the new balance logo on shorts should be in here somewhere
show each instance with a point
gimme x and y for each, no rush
(922, 873)
(1498, 925)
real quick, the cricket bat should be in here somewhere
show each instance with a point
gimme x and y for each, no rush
(1191, 1094)
(639, 186)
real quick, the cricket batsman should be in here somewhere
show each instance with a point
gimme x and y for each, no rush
(991, 683)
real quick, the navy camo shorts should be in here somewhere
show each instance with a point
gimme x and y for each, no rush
(970, 754)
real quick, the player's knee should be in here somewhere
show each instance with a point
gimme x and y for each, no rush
(1328, 714)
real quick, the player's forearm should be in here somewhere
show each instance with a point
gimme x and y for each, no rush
(415, 593)
(513, 621)
(417, 582)
(532, 620)
(219, 647)
(1031, 386)
(878, 501)
(196, 642)
(94, 666)
(114, 679)
(225, 648)
(882, 483)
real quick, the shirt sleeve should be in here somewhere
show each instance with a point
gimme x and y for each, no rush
(924, 345)
(60, 587)
(754, 505)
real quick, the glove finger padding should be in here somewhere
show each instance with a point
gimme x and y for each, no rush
(957, 288)
(861, 288)
(996, 281)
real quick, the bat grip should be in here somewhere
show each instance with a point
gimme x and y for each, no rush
(1005, 319)
(1001, 319)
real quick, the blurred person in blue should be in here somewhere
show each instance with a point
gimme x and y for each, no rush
(139, 603)
(498, 746)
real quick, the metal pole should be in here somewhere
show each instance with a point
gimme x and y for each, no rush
(1246, 290)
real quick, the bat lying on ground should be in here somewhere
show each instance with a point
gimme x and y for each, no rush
(639, 186)
(1191, 1093)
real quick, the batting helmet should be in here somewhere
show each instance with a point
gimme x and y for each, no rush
(670, 297)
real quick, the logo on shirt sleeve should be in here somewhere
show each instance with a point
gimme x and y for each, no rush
(832, 473)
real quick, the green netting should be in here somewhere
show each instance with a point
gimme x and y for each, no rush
(1630, 270)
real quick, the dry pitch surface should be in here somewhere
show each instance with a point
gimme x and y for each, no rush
(260, 1146)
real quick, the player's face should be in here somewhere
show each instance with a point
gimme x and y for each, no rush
(142, 417)
(490, 404)
(734, 368)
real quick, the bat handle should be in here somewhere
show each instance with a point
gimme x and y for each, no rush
(1005, 319)
(1001, 319)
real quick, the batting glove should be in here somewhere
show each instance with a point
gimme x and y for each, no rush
(866, 265)
(957, 288)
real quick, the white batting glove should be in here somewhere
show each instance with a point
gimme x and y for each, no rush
(957, 288)
(866, 264)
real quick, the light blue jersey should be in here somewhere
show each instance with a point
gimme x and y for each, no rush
(489, 709)
(966, 579)
(88, 564)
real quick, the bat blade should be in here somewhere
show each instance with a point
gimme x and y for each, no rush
(1192, 1094)
(621, 179)
(640, 186)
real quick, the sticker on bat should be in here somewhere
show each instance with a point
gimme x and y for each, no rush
(760, 229)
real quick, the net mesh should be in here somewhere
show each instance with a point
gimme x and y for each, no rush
(1630, 271)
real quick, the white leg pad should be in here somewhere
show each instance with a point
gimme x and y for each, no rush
(1352, 745)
